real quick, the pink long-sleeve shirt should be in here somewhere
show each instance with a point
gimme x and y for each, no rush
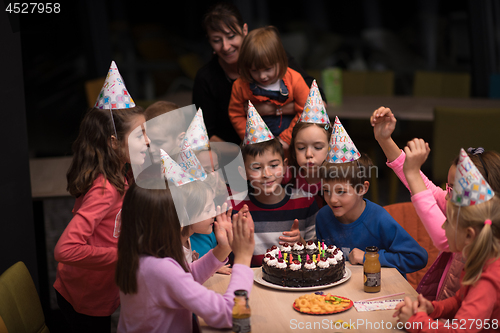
(429, 204)
(167, 295)
(87, 251)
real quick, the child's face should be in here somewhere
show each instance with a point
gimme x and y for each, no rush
(227, 44)
(210, 162)
(205, 220)
(136, 141)
(455, 235)
(160, 139)
(344, 200)
(311, 147)
(265, 172)
(265, 76)
(451, 180)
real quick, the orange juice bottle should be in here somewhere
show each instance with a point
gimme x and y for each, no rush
(371, 270)
(241, 312)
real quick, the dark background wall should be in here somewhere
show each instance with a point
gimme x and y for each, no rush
(45, 60)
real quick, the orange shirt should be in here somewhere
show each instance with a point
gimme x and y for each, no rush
(241, 94)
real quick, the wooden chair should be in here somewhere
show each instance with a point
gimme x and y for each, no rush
(456, 128)
(441, 84)
(404, 213)
(20, 306)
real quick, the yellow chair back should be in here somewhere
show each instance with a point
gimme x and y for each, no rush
(20, 306)
(440, 84)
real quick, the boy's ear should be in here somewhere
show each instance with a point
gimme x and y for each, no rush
(285, 162)
(364, 188)
(242, 172)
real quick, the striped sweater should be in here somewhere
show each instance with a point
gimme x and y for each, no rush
(272, 220)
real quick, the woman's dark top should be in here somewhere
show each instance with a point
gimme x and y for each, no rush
(212, 92)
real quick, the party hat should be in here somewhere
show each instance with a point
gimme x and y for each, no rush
(470, 187)
(256, 130)
(173, 171)
(196, 134)
(314, 109)
(189, 162)
(341, 148)
(114, 94)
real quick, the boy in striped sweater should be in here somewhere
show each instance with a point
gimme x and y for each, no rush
(280, 213)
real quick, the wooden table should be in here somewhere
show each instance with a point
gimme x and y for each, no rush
(404, 107)
(272, 309)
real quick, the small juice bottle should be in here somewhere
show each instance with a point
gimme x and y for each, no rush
(241, 312)
(371, 270)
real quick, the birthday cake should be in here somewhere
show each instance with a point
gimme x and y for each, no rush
(303, 266)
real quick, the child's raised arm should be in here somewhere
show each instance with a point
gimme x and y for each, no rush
(384, 123)
(417, 151)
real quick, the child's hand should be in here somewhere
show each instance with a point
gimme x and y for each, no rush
(356, 256)
(293, 236)
(405, 309)
(243, 242)
(226, 270)
(416, 152)
(424, 305)
(223, 217)
(383, 122)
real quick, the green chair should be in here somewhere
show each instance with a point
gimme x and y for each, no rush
(20, 306)
(456, 128)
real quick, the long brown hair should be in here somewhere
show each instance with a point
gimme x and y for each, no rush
(150, 226)
(486, 245)
(93, 153)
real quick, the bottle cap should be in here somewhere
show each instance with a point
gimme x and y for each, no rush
(240, 292)
(371, 249)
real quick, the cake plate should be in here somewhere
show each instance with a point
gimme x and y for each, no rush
(257, 277)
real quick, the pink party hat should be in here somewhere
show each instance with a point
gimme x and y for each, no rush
(314, 109)
(189, 162)
(341, 148)
(173, 171)
(196, 134)
(256, 130)
(470, 187)
(114, 94)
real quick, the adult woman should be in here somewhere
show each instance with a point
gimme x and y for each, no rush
(213, 83)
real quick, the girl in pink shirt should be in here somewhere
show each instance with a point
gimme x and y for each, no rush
(429, 200)
(109, 140)
(159, 290)
(473, 231)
